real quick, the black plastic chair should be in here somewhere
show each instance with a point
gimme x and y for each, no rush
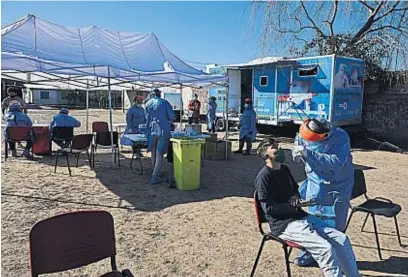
(73, 240)
(377, 206)
(79, 144)
(103, 141)
(286, 245)
(62, 136)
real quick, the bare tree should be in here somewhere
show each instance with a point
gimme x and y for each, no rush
(376, 31)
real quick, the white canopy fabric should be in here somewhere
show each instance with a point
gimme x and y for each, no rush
(40, 52)
(35, 45)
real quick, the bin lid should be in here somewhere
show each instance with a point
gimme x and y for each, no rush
(187, 140)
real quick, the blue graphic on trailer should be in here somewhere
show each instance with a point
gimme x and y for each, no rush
(309, 93)
(264, 97)
(348, 91)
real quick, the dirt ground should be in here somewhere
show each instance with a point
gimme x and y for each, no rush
(166, 232)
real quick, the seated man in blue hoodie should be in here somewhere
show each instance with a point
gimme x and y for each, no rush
(15, 117)
(63, 119)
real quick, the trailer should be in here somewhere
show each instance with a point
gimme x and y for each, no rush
(290, 90)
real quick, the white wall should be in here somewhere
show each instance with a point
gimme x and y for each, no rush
(54, 97)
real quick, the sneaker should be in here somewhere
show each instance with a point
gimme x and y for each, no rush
(238, 152)
(246, 153)
(305, 259)
(13, 153)
(27, 154)
(155, 180)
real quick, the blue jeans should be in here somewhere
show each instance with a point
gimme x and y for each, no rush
(329, 247)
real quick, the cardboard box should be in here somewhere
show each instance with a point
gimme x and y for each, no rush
(216, 150)
(212, 138)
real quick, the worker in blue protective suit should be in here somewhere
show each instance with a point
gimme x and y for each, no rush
(330, 174)
(211, 117)
(15, 117)
(247, 132)
(135, 116)
(63, 119)
(160, 116)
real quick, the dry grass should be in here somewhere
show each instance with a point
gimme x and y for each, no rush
(165, 232)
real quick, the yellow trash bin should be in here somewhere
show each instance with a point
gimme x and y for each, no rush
(187, 162)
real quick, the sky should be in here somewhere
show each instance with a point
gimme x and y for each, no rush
(200, 32)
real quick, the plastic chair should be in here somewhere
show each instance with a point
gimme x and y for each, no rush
(73, 240)
(100, 126)
(17, 134)
(79, 144)
(62, 136)
(377, 206)
(103, 141)
(286, 245)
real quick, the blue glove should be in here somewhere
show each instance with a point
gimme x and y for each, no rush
(298, 152)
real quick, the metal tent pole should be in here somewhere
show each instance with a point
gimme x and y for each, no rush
(181, 107)
(87, 106)
(226, 120)
(110, 117)
(123, 100)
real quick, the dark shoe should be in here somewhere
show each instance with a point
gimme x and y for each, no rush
(238, 152)
(305, 259)
(246, 153)
(27, 154)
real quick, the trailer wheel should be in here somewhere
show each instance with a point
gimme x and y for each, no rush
(220, 125)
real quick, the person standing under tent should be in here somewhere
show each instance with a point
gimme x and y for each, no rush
(247, 132)
(15, 117)
(211, 117)
(159, 117)
(135, 116)
(330, 174)
(11, 99)
(194, 110)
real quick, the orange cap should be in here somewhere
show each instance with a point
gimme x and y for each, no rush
(308, 134)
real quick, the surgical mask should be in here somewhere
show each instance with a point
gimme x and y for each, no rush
(195, 98)
(279, 156)
(246, 106)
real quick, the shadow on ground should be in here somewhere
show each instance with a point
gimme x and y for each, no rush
(136, 193)
(393, 265)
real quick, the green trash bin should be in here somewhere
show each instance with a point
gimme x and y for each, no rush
(187, 162)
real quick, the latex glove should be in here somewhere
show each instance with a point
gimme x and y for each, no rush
(298, 152)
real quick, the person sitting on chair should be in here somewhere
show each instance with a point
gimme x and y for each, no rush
(15, 117)
(63, 119)
(135, 116)
(278, 194)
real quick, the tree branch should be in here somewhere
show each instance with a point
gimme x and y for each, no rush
(392, 9)
(311, 20)
(365, 4)
(367, 25)
(335, 4)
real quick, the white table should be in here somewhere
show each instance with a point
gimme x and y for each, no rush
(119, 126)
(136, 137)
(136, 148)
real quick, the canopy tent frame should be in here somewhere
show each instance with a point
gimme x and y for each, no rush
(60, 71)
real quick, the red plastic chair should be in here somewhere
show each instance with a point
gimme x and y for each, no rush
(73, 240)
(16, 134)
(286, 245)
(100, 126)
